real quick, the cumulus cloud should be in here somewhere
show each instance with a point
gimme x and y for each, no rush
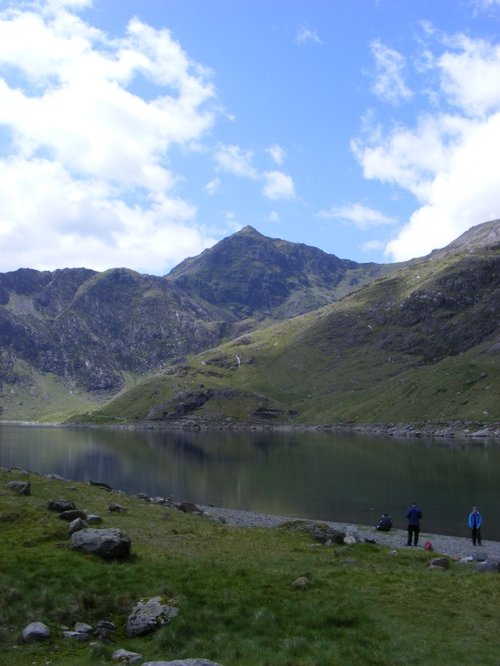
(233, 159)
(389, 83)
(278, 185)
(359, 215)
(447, 159)
(239, 162)
(91, 151)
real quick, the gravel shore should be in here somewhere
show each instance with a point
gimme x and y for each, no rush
(453, 546)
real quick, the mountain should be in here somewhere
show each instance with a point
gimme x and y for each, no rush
(72, 338)
(251, 275)
(421, 344)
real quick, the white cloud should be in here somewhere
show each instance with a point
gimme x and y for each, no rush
(278, 185)
(277, 154)
(84, 143)
(63, 222)
(305, 35)
(273, 217)
(389, 83)
(359, 215)
(447, 160)
(213, 186)
(470, 75)
(484, 5)
(233, 159)
(372, 246)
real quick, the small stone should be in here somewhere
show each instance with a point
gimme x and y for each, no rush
(84, 628)
(114, 507)
(75, 525)
(301, 583)
(76, 635)
(126, 657)
(349, 540)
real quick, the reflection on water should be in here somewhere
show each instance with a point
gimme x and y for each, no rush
(347, 477)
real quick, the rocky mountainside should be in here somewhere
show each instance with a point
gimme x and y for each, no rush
(251, 275)
(76, 332)
(420, 344)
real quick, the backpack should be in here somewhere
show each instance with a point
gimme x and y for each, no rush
(428, 545)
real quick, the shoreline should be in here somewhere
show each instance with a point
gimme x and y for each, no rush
(457, 547)
(464, 431)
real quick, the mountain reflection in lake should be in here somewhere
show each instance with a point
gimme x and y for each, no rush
(344, 477)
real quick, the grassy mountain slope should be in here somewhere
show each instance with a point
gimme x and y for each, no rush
(420, 344)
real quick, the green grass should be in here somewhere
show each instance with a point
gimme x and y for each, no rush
(234, 589)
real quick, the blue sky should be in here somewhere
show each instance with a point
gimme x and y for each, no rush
(139, 132)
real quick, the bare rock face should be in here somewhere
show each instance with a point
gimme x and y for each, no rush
(109, 543)
(148, 615)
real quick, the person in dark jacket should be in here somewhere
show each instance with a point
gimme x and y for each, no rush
(385, 523)
(475, 522)
(413, 515)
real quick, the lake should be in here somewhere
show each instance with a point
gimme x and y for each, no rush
(330, 476)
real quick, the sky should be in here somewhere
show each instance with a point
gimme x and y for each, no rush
(137, 133)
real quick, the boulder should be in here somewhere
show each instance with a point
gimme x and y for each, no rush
(60, 505)
(109, 543)
(148, 615)
(21, 487)
(189, 507)
(72, 514)
(93, 519)
(35, 631)
(320, 531)
(439, 563)
(487, 566)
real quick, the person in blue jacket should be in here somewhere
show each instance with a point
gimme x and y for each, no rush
(413, 515)
(475, 522)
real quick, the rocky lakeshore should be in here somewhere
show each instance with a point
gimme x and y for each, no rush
(454, 546)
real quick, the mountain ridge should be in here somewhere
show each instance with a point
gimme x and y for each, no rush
(73, 338)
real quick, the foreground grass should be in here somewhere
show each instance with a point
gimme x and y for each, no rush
(234, 588)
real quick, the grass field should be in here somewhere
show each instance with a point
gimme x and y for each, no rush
(234, 588)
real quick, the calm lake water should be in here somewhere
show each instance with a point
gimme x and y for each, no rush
(347, 478)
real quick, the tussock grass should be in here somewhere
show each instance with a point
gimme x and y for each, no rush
(234, 588)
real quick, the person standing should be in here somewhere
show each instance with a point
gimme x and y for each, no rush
(475, 522)
(413, 515)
